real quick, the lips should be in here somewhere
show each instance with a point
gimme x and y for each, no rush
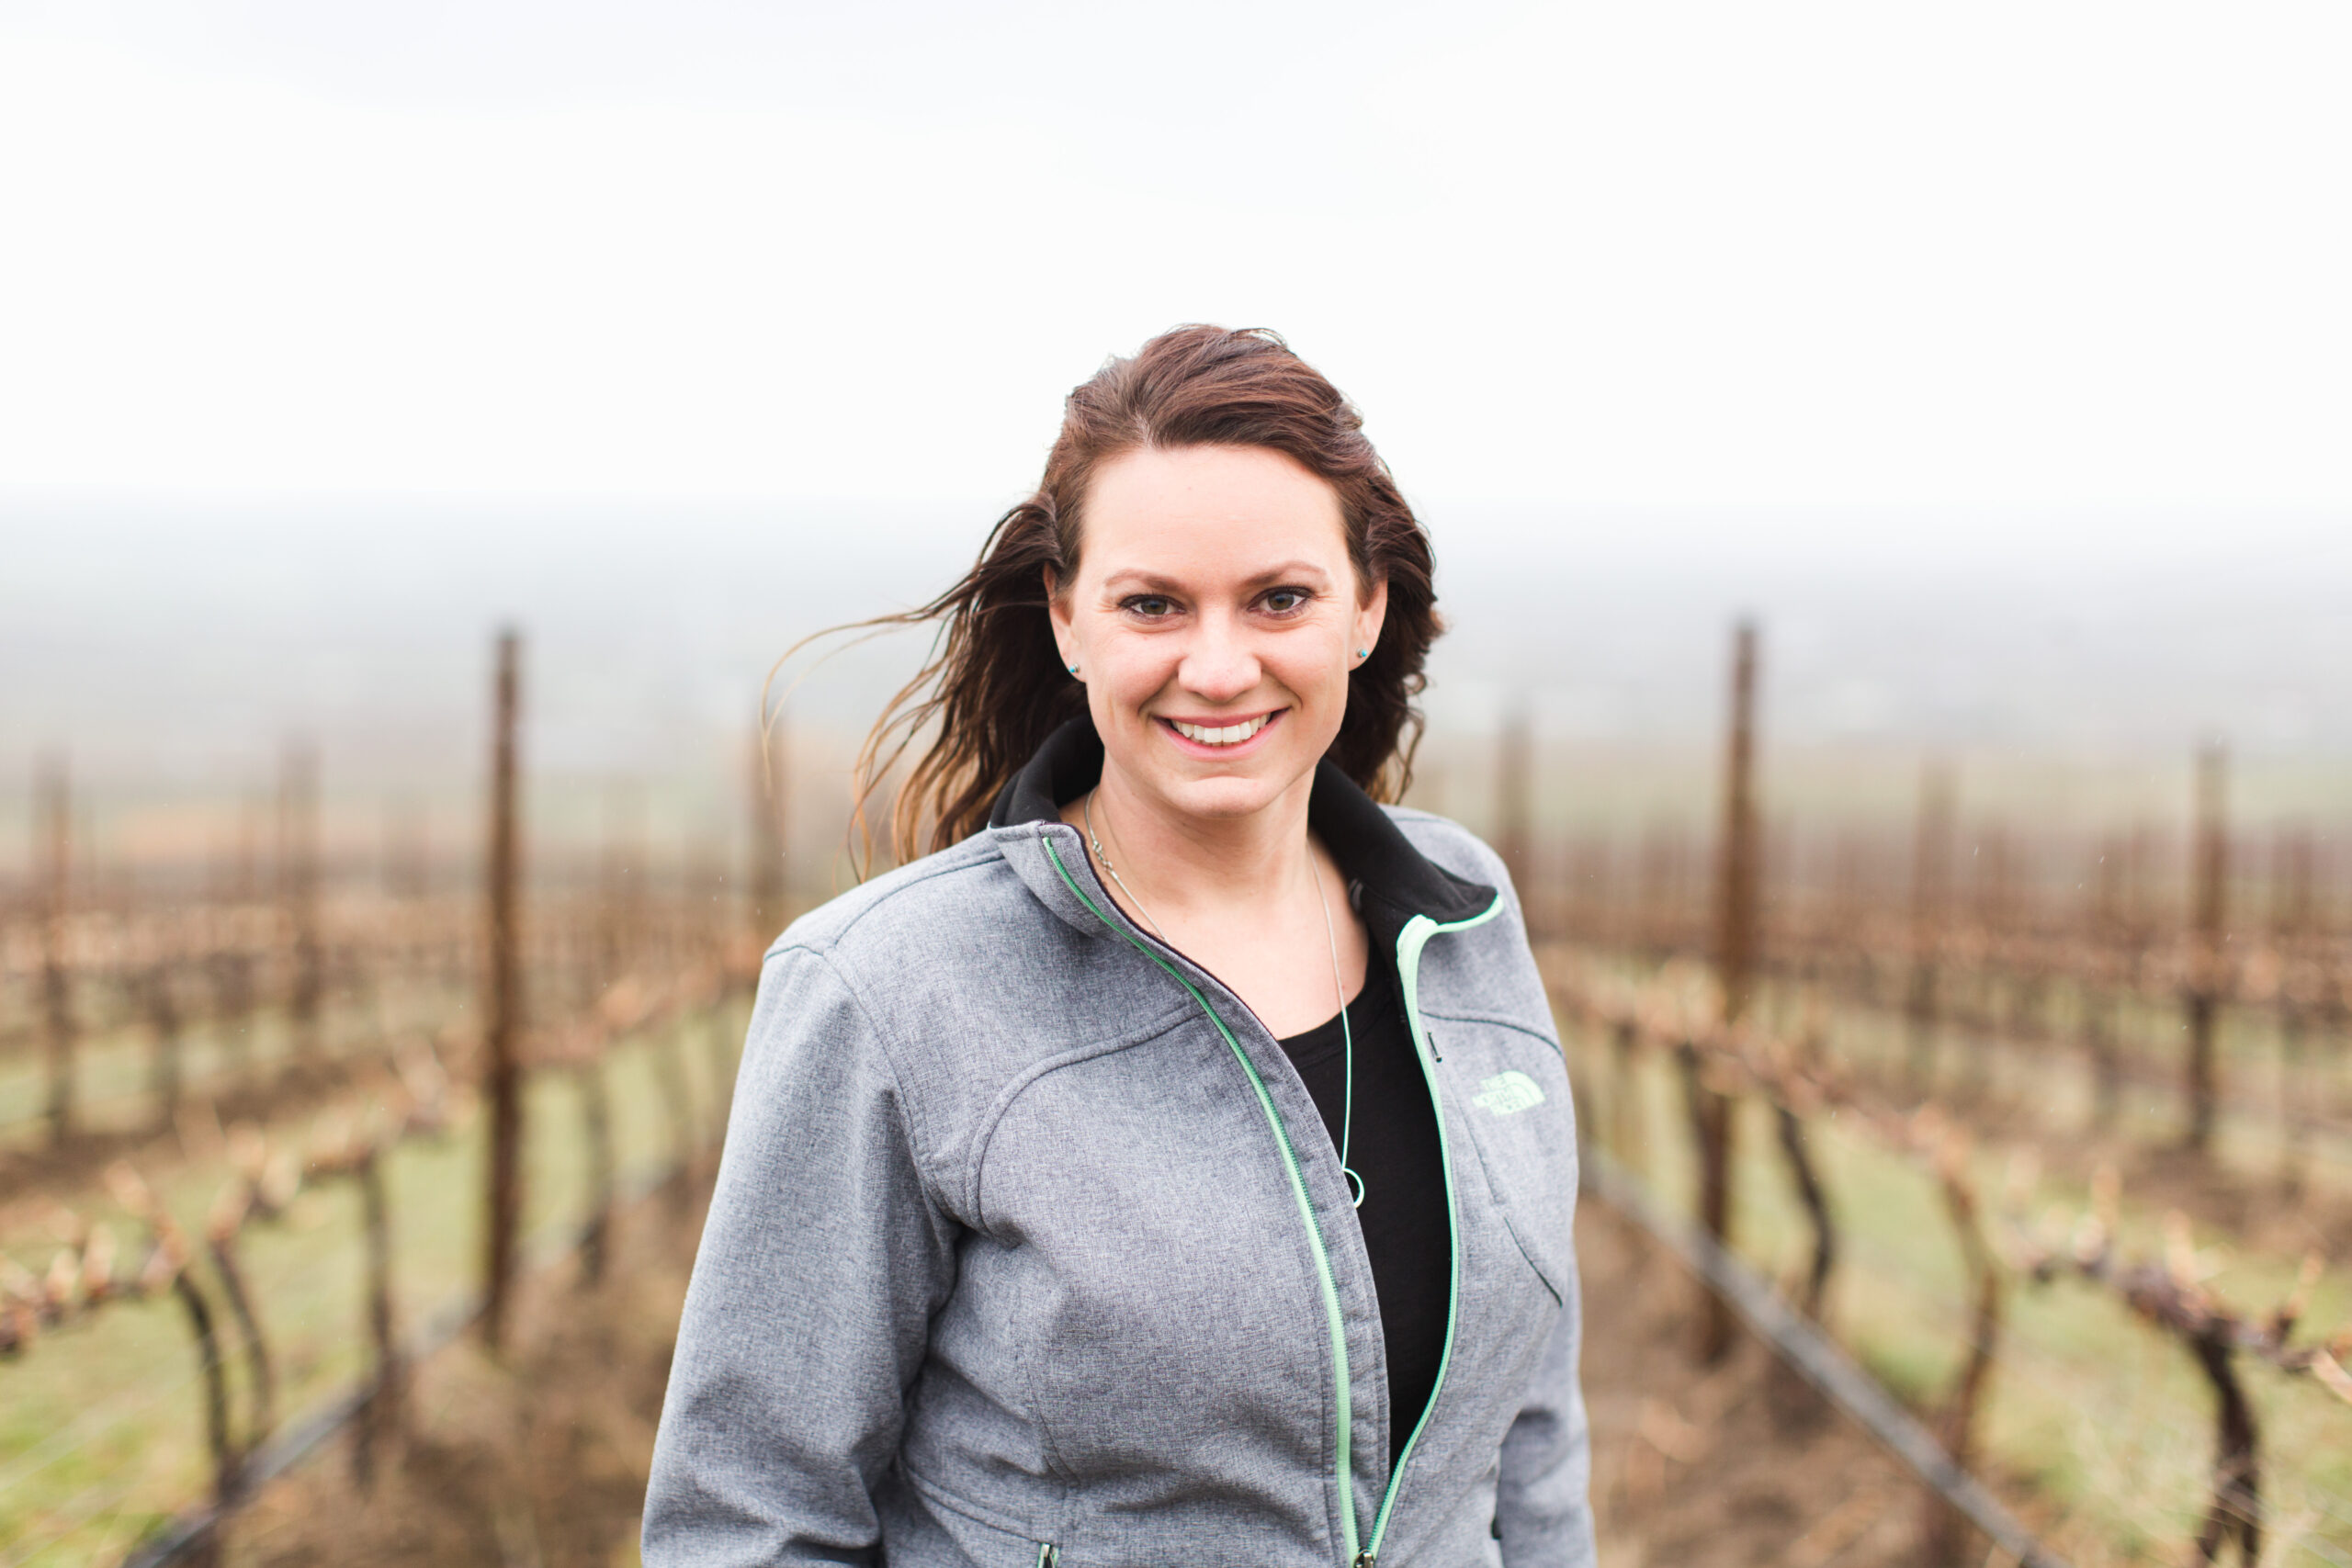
(1221, 735)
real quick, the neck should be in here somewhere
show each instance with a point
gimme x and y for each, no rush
(1183, 865)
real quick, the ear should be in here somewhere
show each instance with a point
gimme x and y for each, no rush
(1371, 615)
(1057, 611)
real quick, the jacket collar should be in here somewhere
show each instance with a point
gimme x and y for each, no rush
(1390, 879)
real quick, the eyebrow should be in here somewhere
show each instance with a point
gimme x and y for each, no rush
(1288, 571)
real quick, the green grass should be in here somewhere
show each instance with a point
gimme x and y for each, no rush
(101, 1426)
(2152, 1038)
(113, 1067)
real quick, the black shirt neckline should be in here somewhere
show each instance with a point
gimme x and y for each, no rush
(1368, 1008)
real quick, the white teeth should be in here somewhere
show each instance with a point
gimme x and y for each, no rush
(1229, 735)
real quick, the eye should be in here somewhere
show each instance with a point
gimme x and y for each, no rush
(1283, 601)
(1150, 606)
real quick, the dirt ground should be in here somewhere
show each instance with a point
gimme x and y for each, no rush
(536, 1460)
(1720, 1467)
(539, 1463)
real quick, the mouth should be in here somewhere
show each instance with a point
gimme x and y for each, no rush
(1220, 736)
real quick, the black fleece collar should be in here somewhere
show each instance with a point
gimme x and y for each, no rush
(1393, 880)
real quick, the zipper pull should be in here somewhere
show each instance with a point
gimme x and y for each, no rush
(1365, 1560)
(1048, 1554)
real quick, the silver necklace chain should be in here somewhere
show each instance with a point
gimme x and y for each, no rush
(1347, 1035)
(1338, 985)
(1086, 806)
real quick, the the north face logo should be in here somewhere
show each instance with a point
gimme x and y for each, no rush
(1507, 1094)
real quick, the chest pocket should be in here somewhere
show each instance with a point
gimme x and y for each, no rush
(1512, 1093)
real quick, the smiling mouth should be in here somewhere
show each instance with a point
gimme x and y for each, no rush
(1217, 735)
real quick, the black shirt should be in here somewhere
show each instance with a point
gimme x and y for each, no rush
(1393, 1148)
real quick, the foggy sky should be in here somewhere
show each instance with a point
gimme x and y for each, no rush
(2066, 257)
(1994, 358)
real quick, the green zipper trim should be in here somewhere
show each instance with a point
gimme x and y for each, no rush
(1332, 1319)
(1409, 942)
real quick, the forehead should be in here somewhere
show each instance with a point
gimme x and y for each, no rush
(1222, 509)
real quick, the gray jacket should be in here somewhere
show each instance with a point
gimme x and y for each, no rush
(1029, 1246)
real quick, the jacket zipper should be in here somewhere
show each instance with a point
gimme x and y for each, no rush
(1048, 1554)
(1409, 942)
(1333, 1322)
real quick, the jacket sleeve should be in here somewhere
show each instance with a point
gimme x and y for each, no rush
(1541, 1509)
(822, 1261)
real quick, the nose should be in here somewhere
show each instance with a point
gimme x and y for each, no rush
(1218, 665)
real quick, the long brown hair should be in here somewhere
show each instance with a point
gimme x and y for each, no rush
(995, 687)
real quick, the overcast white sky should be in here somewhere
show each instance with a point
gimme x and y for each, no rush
(1994, 355)
(2075, 257)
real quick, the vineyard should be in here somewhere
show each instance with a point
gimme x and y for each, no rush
(2058, 1151)
(268, 1150)
(1979, 1193)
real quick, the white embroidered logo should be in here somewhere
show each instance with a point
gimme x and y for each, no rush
(1507, 1094)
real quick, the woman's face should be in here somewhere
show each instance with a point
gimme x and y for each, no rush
(1214, 617)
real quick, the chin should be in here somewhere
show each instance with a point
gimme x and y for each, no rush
(1227, 796)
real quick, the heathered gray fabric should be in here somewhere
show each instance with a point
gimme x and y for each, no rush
(1003, 1252)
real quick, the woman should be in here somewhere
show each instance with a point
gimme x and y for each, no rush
(1176, 1166)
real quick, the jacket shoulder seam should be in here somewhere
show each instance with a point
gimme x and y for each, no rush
(917, 1135)
(832, 938)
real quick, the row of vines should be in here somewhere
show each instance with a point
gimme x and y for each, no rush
(471, 1083)
(2040, 1083)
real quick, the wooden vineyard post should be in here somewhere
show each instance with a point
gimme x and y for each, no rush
(53, 824)
(620, 876)
(1794, 1404)
(2208, 910)
(1586, 912)
(721, 1041)
(381, 1422)
(1514, 767)
(2291, 886)
(1658, 873)
(226, 1462)
(1946, 1530)
(677, 1098)
(164, 1018)
(235, 990)
(2103, 976)
(298, 873)
(596, 1129)
(1625, 1119)
(1996, 1013)
(227, 1221)
(1930, 877)
(501, 1032)
(1738, 882)
(669, 1045)
(2143, 918)
(172, 1267)
(770, 796)
(2236, 1514)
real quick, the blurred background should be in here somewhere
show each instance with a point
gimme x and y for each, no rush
(1987, 364)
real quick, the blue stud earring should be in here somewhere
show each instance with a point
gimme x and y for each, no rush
(1364, 653)
(1073, 669)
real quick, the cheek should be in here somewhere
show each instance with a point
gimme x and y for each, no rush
(1315, 667)
(1132, 671)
